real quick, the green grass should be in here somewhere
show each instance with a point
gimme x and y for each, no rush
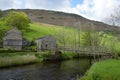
(21, 58)
(38, 30)
(104, 70)
(18, 58)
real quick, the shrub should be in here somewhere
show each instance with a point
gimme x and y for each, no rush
(69, 55)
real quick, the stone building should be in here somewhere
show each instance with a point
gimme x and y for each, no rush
(46, 43)
(13, 39)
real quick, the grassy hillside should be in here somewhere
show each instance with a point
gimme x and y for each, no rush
(38, 30)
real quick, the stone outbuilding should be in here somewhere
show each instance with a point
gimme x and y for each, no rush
(13, 39)
(46, 43)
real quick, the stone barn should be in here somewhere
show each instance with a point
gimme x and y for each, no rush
(13, 39)
(46, 43)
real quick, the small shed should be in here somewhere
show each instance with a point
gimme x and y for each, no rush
(46, 43)
(13, 39)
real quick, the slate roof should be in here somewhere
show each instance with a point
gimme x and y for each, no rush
(13, 34)
(14, 30)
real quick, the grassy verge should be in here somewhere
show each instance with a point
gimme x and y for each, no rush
(17, 60)
(104, 70)
(21, 58)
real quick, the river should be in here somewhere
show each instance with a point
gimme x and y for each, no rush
(63, 70)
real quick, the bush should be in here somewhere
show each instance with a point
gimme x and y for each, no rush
(69, 55)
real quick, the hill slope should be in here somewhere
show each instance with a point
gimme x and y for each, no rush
(67, 19)
(38, 30)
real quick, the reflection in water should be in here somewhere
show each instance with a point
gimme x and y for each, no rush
(65, 70)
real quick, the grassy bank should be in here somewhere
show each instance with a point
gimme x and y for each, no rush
(21, 58)
(104, 70)
(18, 58)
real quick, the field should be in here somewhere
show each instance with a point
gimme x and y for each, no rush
(104, 70)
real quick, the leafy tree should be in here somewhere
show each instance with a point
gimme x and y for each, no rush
(17, 19)
(3, 29)
(87, 38)
(62, 37)
(92, 40)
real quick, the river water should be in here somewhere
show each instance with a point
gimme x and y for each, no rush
(64, 70)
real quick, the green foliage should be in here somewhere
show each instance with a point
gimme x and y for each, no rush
(87, 38)
(91, 38)
(105, 70)
(17, 19)
(69, 55)
(3, 29)
(112, 43)
(63, 36)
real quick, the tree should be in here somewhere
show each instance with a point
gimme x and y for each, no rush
(114, 17)
(78, 26)
(91, 40)
(17, 19)
(3, 29)
(62, 37)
